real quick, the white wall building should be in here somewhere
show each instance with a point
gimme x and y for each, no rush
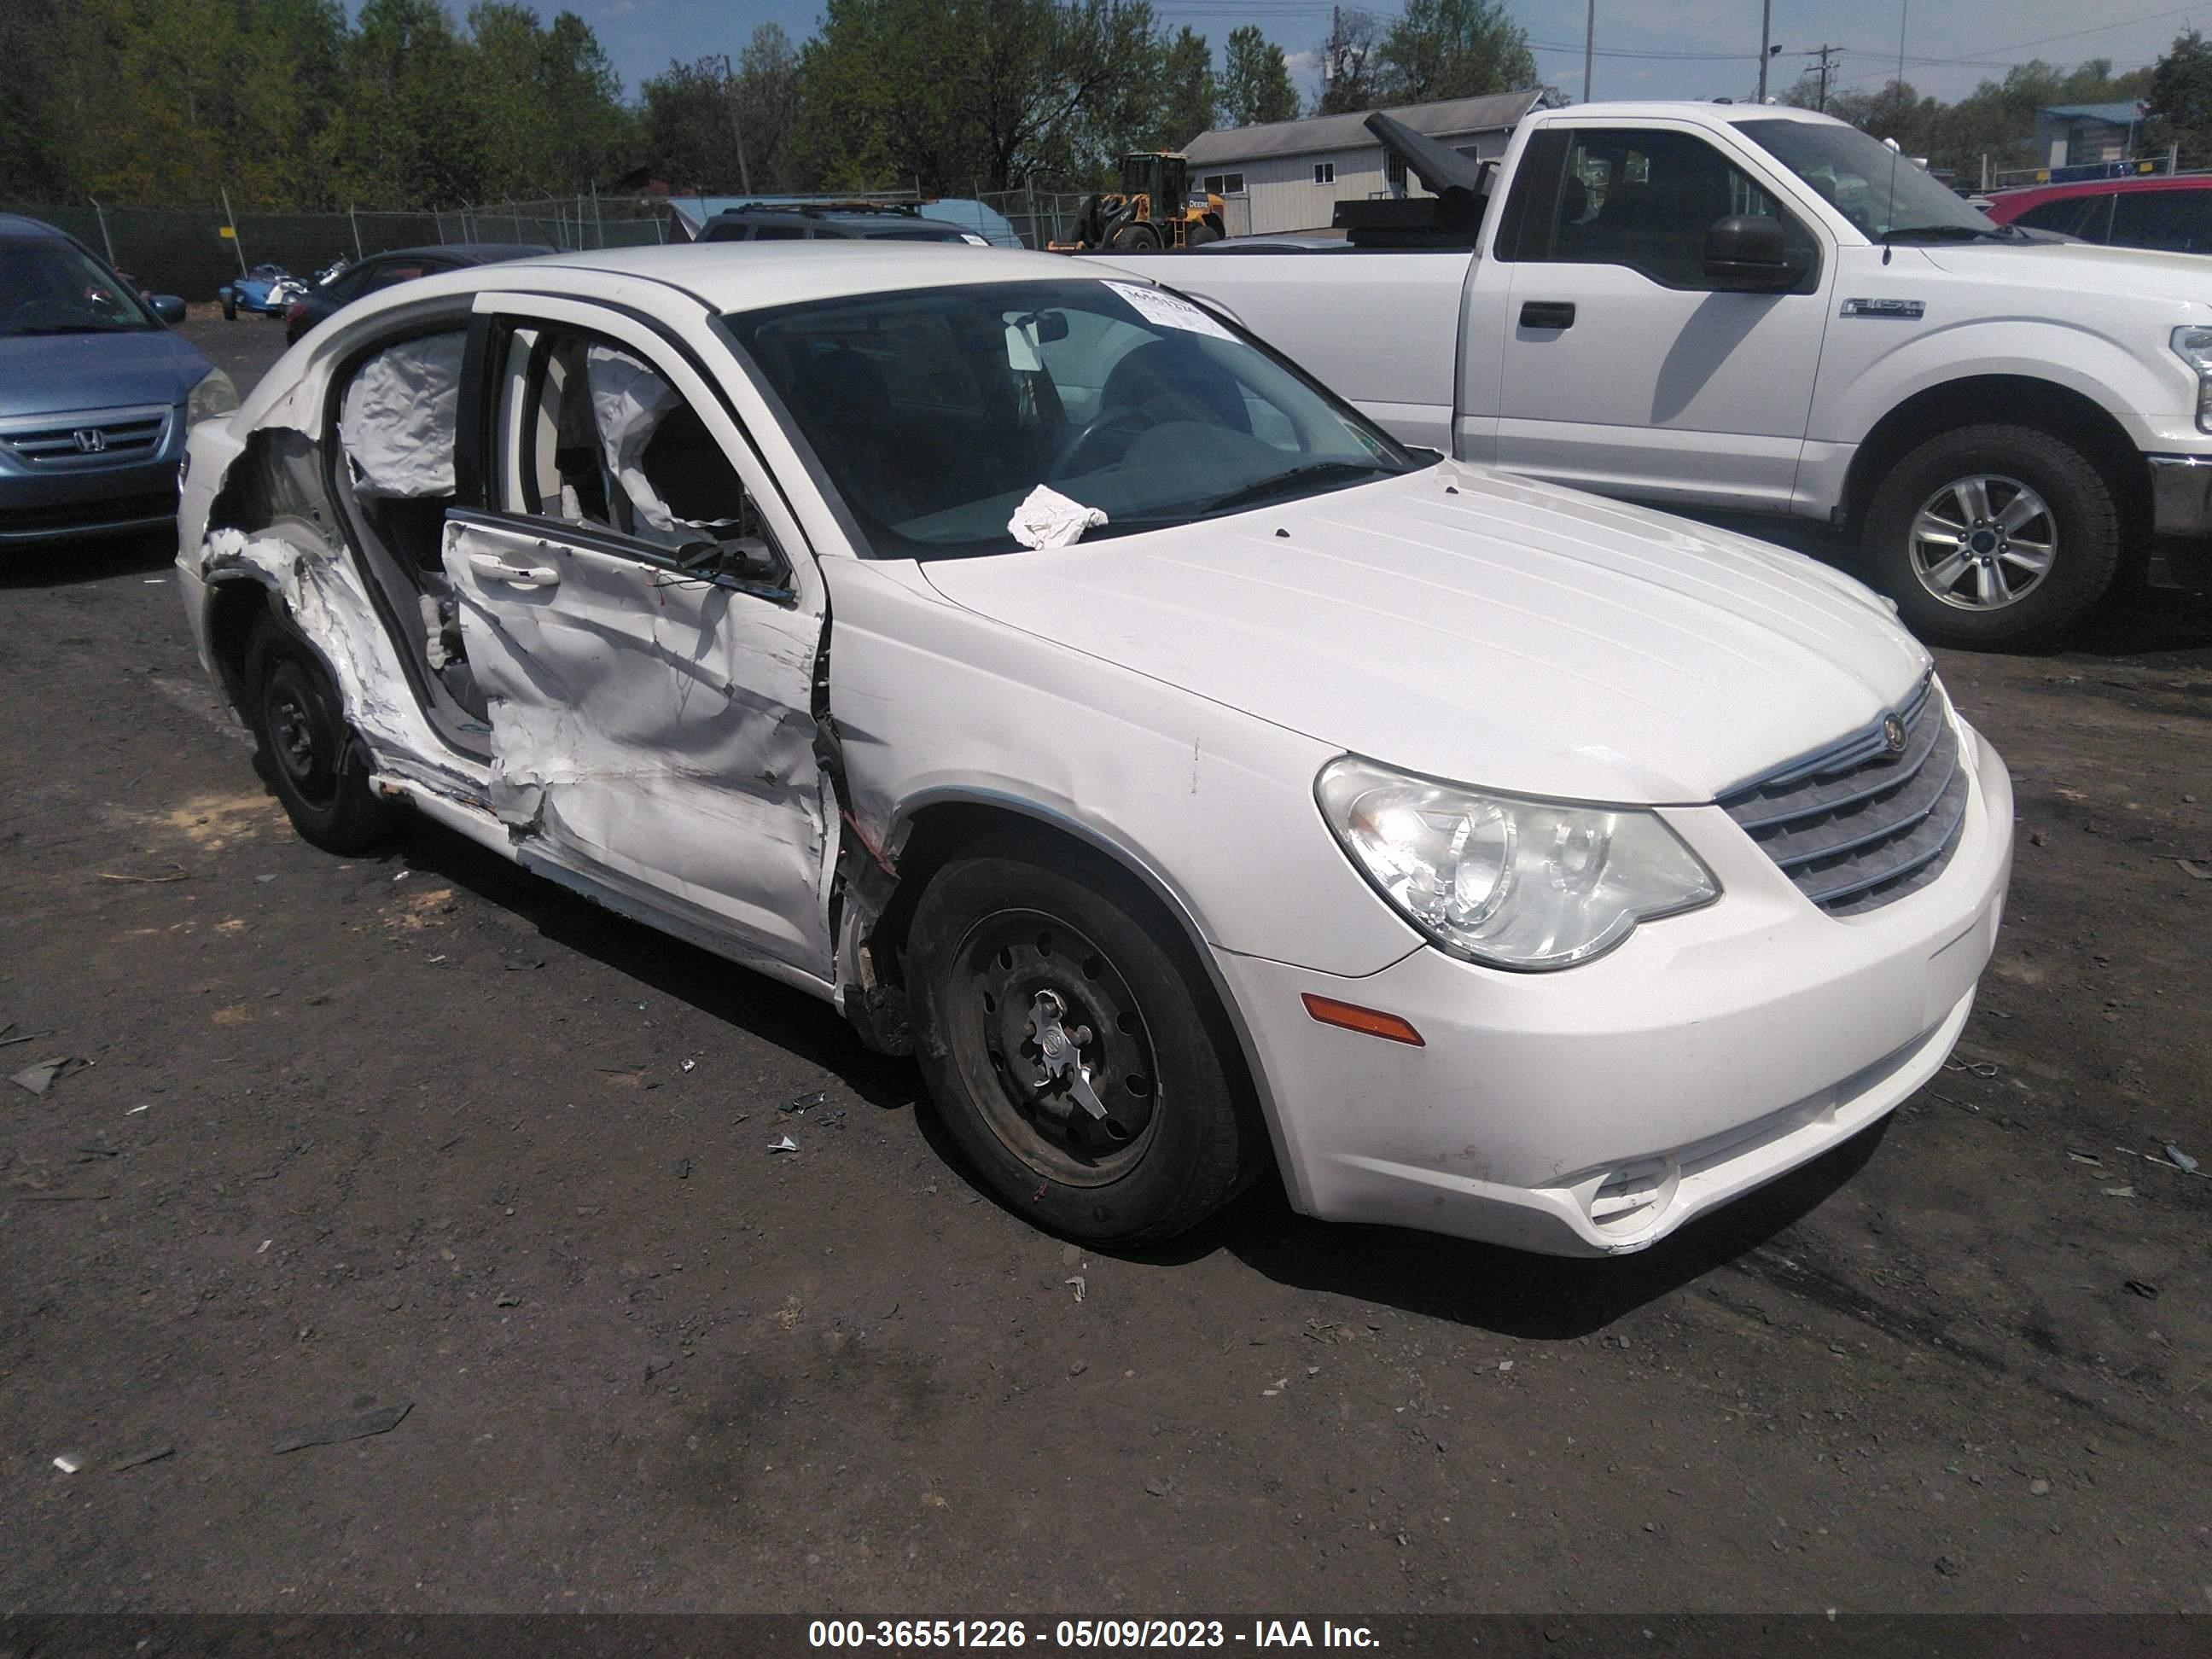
(1290, 175)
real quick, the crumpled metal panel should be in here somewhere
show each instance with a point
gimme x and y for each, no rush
(655, 727)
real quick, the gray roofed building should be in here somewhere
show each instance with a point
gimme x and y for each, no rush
(1288, 175)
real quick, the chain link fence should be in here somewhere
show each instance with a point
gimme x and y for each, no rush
(190, 251)
(1039, 217)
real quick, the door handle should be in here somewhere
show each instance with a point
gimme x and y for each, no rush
(1548, 313)
(498, 569)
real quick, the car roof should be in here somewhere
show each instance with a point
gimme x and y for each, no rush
(472, 254)
(19, 224)
(1656, 109)
(749, 275)
(2030, 195)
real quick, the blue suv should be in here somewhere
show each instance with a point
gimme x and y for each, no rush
(95, 393)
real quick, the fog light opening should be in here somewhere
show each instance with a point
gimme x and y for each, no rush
(1631, 1198)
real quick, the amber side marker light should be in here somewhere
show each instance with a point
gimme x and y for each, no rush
(1353, 1017)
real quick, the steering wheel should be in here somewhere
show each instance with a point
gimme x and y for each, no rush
(1072, 449)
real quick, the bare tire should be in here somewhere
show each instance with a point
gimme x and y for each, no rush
(1993, 536)
(1073, 1050)
(313, 763)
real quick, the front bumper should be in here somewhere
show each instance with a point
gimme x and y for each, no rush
(44, 501)
(1594, 1111)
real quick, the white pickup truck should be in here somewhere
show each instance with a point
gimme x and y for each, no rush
(1746, 308)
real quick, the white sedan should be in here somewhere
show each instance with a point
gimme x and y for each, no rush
(1200, 784)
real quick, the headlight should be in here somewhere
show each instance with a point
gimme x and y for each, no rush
(2194, 347)
(213, 396)
(1505, 880)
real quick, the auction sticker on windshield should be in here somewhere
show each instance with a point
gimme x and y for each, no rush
(1167, 311)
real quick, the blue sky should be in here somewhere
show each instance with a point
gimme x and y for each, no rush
(1646, 48)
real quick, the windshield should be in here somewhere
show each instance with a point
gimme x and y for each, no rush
(934, 413)
(1882, 194)
(49, 287)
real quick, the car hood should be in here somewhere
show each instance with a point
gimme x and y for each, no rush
(2075, 265)
(1480, 627)
(54, 374)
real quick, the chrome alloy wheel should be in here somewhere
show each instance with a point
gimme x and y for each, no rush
(1982, 543)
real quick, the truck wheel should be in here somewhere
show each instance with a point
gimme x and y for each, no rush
(313, 763)
(1993, 536)
(1072, 1053)
(1135, 239)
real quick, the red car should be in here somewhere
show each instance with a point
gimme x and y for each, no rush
(2173, 214)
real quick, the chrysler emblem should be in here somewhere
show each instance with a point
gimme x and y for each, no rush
(90, 440)
(1892, 733)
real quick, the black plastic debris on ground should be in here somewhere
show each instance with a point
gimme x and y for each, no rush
(382, 1420)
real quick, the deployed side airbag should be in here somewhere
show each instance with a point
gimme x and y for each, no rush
(396, 422)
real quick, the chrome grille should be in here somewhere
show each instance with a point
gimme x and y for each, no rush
(1858, 826)
(100, 437)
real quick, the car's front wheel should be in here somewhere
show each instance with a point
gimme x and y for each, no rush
(1074, 1053)
(229, 307)
(1995, 537)
(313, 762)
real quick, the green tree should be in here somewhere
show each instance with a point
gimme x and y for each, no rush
(1350, 68)
(1255, 81)
(1187, 89)
(1454, 49)
(969, 94)
(2180, 95)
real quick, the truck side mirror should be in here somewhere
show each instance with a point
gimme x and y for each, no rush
(1746, 252)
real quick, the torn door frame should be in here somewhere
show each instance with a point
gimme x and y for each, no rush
(304, 564)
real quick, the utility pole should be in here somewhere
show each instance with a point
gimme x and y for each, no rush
(1589, 48)
(737, 130)
(1824, 53)
(1765, 46)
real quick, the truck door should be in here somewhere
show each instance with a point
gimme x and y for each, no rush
(1624, 367)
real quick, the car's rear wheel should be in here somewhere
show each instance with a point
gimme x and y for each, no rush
(313, 764)
(1074, 1052)
(1996, 537)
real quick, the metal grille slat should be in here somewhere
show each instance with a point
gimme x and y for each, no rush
(1855, 826)
(1876, 816)
(121, 434)
(1829, 791)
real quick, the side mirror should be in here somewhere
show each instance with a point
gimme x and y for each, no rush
(168, 307)
(1746, 252)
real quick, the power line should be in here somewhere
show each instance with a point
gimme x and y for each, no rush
(1824, 53)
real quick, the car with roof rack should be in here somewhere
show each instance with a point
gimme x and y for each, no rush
(868, 221)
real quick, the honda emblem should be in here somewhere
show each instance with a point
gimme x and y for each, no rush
(90, 440)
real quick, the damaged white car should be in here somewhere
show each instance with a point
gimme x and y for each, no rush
(1199, 782)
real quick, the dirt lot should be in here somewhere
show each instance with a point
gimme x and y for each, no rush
(422, 1130)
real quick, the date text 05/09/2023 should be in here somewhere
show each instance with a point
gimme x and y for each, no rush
(1085, 1634)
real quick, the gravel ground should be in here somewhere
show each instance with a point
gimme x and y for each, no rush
(422, 1131)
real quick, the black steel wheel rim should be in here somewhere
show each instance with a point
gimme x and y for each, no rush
(302, 737)
(1031, 1001)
